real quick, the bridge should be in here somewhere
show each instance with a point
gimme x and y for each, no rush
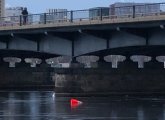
(128, 41)
(77, 34)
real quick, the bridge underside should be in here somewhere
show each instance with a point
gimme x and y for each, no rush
(25, 54)
(146, 38)
(153, 51)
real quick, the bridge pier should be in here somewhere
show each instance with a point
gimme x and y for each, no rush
(12, 61)
(140, 59)
(88, 61)
(115, 59)
(161, 59)
(33, 61)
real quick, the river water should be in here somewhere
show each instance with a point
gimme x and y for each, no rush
(44, 105)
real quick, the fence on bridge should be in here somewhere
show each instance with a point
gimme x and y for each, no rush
(99, 13)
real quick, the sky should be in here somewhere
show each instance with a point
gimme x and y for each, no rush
(40, 6)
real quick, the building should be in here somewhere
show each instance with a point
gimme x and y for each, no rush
(95, 13)
(13, 11)
(2, 8)
(122, 9)
(54, 15)
(13, 14)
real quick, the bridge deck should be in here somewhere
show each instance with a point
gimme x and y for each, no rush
(105, 20)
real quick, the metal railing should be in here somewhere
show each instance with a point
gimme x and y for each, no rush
(100, 14)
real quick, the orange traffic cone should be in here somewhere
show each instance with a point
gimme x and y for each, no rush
(75, 103)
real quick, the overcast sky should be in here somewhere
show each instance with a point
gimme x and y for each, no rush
(40, 6)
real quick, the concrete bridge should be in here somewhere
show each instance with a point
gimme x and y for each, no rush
(126, 41)
(127, 35)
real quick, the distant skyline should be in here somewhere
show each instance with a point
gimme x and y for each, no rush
(40, 6)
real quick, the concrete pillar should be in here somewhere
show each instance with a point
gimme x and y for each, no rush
(57, 60)
(52, 62)
(140, 59)
(114, 59)
(12, 61)
(161, 59)
(87, 60)
(33, 61)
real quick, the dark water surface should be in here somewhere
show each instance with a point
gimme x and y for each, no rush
(42, 105)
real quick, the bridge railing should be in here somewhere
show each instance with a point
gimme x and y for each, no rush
(88, 15)
(34, 19)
